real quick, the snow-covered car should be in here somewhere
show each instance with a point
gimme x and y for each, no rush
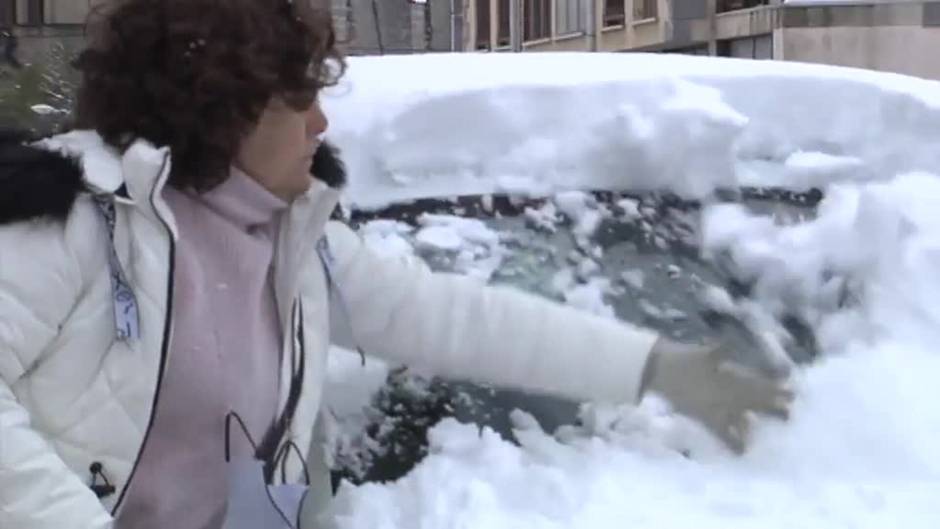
(787, 209)
(632, 257)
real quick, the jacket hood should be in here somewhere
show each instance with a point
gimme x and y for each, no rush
(328, 166)
(36, 182)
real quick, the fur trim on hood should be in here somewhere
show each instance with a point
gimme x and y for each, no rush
(37, 183)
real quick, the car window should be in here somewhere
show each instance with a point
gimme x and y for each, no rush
(641, 263)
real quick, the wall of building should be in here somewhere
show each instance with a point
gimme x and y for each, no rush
(745, 23)
(441, 28)
(689, 22)
(878, 36)
(892, 48)
(404, 27)
(647, 33)
(612, 39)
(395, 26)
(759, 47)
(565, 43)
(374, 27)
(630, 35)
(66, 11)
(20, 11)
(677, 23)
(895, 37)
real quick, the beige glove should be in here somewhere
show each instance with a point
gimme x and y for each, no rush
(701, 383)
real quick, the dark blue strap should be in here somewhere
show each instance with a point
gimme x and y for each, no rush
(126, 315)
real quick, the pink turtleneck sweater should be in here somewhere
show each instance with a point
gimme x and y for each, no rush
(224, 355)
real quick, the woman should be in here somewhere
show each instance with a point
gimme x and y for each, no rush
(170, 263)
(10, 43)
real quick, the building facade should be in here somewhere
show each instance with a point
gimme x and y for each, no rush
(363, 26)
(897, 36)
(42, 26)
(377, 27)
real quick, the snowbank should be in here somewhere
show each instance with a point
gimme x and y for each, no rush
(861, 448)
(443, 125)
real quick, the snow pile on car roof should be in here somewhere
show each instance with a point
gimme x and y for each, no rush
(443, 125)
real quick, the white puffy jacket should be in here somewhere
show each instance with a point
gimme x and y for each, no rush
(71, 394)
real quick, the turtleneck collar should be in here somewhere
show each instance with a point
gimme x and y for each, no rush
(243, 201)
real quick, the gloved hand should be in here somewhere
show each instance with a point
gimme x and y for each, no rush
(701, 383)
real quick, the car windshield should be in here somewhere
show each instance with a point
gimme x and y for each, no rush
(633, 257)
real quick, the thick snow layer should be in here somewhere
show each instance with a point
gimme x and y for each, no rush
(864, 272)
(446, 125)
(861, 449)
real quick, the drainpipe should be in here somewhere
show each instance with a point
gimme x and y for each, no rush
(515, 25)
(453, 25)
(712, 9)
(591, 13)
(378, 27)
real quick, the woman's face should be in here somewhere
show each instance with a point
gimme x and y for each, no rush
(279, 151)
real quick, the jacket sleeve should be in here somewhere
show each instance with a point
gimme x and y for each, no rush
(457, 327)
(40, 279)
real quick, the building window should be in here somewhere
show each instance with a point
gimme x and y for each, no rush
(34, 13)
(736, 5)
(483, 24)
(504, 36)
(7, 13)
(645, 9)
(569, 16)
(614, 13)
(760, 47)
(538, 19)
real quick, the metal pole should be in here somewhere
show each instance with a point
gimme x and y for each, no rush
(453, 26)
(592, 23)
(515, 25)
(378, 28)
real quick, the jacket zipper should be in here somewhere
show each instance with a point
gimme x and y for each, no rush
(164, 349)
(270, 447)
(293, 328)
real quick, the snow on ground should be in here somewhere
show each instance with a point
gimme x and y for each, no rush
(861, 449)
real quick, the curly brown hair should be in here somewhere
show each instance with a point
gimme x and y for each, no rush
(195, 75)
